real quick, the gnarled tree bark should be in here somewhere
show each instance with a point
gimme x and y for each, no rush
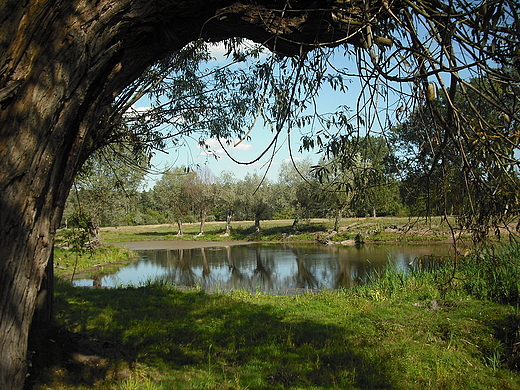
(61, 64)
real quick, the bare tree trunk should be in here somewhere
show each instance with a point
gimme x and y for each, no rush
(180, 233)
(337, 219)
(95, 238)
(203, 214)
(295, 223)
(228, 223)
(61, 65)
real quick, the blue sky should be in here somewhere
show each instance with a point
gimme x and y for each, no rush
(248, 150)
(244, 151)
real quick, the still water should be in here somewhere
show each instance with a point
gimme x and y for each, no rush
(270, 268)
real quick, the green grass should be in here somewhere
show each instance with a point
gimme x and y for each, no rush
(394, 333)
(493, 273)
(386, 229)
(104, 260)
(455, 327)
(274, 230)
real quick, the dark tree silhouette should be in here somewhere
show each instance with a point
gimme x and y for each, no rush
(63, 63)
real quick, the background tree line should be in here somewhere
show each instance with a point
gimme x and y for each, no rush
(414, 169)
(109, 193)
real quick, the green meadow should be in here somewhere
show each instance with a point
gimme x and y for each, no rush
(456, 327)
(384, 229)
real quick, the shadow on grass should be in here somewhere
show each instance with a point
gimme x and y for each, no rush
(242, 233)
(258, 345)
(278, 231)
(507, 332)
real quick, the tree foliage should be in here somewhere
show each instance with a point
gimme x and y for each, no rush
(107, 188)
(474, 176)
(62, 64)
(172, 195)
(404, 54)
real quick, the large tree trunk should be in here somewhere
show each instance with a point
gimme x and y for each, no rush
(44, 311)
(61, 64)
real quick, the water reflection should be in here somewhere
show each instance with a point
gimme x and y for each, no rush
(272, 268)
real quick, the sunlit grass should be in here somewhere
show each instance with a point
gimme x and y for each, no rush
(396, 332)
(103, 260)
(384, 229)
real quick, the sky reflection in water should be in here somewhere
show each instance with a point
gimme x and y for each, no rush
(272, 268)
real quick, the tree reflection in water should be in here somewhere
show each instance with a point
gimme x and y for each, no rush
(272, 268)
(262, 274)
(304, 277)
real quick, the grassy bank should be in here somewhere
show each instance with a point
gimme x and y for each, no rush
(432, 330)
(100, 261)
(456, 327)
(386, 229)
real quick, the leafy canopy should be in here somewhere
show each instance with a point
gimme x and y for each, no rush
(465, 52)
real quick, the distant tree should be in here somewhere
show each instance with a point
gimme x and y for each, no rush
(106, 190)
(376, 190)
(444, 174)
(298, 189)
(148, 213)
(255, 198)
(337, 187)
(172, 195)
(358, 178)
(228, 199)
(202, 190)
(425, 189)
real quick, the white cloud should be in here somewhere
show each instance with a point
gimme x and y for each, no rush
(218, 51)
(215, 147)
(141, 109)
(244, 146)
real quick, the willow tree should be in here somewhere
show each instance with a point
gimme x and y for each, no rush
(62, 64)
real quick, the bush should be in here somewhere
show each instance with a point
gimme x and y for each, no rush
(494, 273)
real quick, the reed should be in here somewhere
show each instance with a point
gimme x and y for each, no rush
(493, 273)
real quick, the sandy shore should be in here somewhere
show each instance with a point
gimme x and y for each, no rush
(180, 244)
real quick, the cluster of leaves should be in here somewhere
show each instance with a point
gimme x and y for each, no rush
(474, 175)
(467, 53)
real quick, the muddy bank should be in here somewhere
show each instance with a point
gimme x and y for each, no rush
(180, 244)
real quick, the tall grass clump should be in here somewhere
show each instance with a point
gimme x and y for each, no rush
(494, 273)
(393, 282)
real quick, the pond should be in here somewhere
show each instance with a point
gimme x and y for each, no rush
(270, 268)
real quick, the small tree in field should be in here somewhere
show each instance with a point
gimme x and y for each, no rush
(255, 198)
(228, 199)
(202, 190)
(298, 189)
(172, 195)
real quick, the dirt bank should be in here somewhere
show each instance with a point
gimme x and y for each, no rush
(180, 244)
